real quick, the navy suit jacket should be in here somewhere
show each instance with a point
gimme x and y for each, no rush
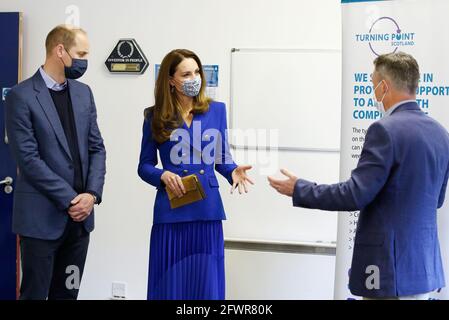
(43, 189)
(398, 184)
(200, 149)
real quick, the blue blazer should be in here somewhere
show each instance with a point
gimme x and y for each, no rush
(209, 129)
(43, 189)
(398, 184)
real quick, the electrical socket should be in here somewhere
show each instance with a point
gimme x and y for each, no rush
(119, 290)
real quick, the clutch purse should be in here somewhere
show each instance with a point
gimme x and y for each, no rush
(194, 192)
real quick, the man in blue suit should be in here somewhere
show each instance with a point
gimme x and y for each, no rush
(51, 122)
(398, 184)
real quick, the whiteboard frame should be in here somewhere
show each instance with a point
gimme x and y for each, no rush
(317, 247)
(231, 99)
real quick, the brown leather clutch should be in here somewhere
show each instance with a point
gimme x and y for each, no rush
(194, 192)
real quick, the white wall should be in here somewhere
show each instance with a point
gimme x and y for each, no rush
(119, 246)
(266, 275)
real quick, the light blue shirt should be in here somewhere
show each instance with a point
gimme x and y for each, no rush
(394, 107)
(51, 83)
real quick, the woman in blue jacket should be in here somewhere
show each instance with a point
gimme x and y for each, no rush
(189, 130)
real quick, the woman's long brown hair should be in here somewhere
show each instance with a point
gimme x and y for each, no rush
(166, 113)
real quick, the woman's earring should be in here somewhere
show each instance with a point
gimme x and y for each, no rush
(172, 89)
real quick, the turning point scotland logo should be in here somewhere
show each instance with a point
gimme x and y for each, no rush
(386, 36)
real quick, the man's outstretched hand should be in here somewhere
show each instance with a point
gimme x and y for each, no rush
(284, 187)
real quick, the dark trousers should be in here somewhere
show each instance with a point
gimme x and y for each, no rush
(53, 268)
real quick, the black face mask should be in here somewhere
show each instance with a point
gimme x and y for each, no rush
(77, 69)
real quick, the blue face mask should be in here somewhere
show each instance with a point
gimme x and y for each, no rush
(191, 88)
(77, 69)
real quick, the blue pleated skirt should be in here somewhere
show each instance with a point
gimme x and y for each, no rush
(187, 261)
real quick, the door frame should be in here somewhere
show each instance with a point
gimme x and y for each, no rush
(19, 79)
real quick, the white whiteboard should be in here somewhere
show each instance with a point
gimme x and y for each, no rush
(308, 113)
(294, 91)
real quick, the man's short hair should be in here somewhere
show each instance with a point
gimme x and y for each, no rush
(400, 68)
(62, 34)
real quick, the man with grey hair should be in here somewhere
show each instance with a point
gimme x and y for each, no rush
(398, 185)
